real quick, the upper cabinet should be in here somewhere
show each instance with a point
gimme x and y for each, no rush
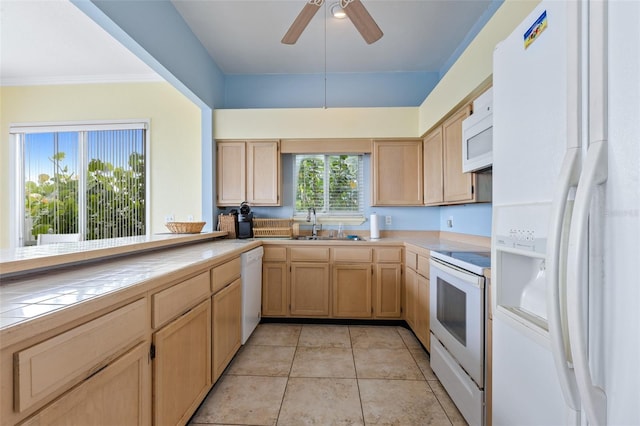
(396, 173)
(248, 171)
(444, 181)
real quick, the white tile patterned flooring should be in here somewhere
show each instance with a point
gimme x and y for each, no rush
(293, 374)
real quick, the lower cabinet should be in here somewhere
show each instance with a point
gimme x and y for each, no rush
(119, 394)
(416, 294)
(274, 289)
(309, 289)
(422, 311)
(351, 291)
(227, 326)
(388, 303)
(410, 296)
(182, 366)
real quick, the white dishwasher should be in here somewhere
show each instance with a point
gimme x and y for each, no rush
(251, 290)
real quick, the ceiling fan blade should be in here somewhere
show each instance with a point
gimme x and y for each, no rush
(301, 22)
(363, 22)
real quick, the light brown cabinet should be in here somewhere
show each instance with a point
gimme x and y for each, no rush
(226, 316)
(433, 167)
(388, 282)
(119, 394)
(309, 289)
(396, 173)
(388, 290)
(444, 181)
(248, 171)
(274, 289)
(352, 290)
(227, 326)
(182, 365)
(343, 281)
(416, 293)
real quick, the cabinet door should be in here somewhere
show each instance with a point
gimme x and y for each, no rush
(410, 297)
(227, 326)
(433, 169)
(396, 170)
(231, 173)
(263, 173)
(182, 366)
(457, 185)
(422, 311)
(388, 290)
(119, 394)
(309, 289)
(274, 289)
(352, 290)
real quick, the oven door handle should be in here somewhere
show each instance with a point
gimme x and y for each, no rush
(461, 274)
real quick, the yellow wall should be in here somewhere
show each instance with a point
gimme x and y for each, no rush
(175, 130)
(314, 123)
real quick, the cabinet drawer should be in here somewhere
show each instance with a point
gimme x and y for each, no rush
(388, 254)
(173, 301)
(423, 266)
(350, 254)
(54, 365)
(275, 254)
(309, 254)
(224, 274)
(411, 259)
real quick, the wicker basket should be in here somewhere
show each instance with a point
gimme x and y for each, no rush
(276, 228)
(185, 227)
(227, 222)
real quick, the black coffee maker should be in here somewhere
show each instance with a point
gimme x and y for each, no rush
(245, 221)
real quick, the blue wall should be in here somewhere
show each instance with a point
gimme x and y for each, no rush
(342, 90)
(155, 32)
(474, 219)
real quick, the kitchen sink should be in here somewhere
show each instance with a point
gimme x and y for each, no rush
(323, 238)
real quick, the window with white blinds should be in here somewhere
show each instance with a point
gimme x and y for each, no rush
(81, 179)
(332, 184)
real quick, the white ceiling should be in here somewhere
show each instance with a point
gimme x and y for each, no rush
(49, 41)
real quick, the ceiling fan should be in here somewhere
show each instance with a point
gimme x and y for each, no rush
(354, 9)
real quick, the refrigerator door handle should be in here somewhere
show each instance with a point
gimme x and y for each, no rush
(556, 312)
(594, 173)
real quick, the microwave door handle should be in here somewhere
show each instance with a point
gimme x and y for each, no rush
(555, 311)
(594, 173)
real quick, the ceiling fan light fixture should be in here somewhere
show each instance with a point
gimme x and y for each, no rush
(337, 11)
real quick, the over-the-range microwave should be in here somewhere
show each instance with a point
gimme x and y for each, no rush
(477, 135)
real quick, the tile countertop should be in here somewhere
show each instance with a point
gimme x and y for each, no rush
(34, 257)
(46, 291)
(25, 297)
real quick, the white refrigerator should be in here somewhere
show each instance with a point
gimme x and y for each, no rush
(566, 217)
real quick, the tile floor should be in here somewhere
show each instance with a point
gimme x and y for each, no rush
(290, 374)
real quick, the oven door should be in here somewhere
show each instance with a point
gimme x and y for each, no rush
(457, 315)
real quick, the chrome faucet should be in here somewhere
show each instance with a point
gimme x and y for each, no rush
(314, 227)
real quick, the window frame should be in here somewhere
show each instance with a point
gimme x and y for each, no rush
(353, 218)
(16, 132)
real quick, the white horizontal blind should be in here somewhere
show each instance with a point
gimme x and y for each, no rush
(332, 184)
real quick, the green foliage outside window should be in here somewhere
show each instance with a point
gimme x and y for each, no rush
(329, 183)
(115, 199)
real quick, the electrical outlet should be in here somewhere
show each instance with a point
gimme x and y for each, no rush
(387, 220)
(450, 222)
